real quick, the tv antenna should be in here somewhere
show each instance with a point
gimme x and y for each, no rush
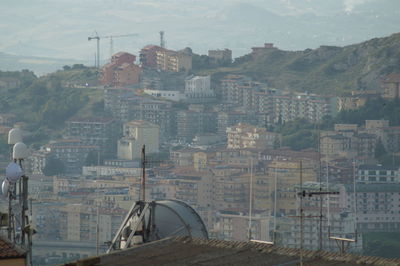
(344, 243)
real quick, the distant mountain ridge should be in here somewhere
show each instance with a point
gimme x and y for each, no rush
(327, 69)
(39, 65)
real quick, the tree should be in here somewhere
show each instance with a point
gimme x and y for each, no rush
(53, 167)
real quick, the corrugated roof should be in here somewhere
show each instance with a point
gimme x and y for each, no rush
(190, 251)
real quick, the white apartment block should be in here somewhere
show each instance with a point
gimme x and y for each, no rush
(198, 87)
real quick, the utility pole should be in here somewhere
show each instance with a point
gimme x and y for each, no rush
(251, 197)
(301, 214)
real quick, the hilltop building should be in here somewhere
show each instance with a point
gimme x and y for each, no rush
(173, 61)
(148, 56)
(224, 55)
(121, 71)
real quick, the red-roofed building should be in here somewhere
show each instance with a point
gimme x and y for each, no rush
(121, 71)
(148, 55)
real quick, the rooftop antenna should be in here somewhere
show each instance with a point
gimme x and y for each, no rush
(162, 41)
(251, 197)
(251, 204)
(343, 243)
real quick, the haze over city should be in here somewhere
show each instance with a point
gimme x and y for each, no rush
(199, 132)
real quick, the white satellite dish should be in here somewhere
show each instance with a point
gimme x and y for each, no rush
(20, 151)
(13, 172)
(4, 186)
(14, 136)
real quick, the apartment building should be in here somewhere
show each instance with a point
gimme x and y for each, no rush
(373, 174)
(121, 71)
(195, 120)
(78, 222)
(198, 89)
(136, 134)
(118, 101)
(95, 131)
(389, 136)
(232, 87)
(302, 105)
(157, 112)
(71, 152)
(231, 118)
(173, 61)
(348, 141)
(148, 55)
(378, 206)
(233, 225)
(246, 136)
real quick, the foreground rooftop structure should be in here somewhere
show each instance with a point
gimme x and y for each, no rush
(193, 251)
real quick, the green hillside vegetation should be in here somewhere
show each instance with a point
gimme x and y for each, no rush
(328, 69)
(45, 103)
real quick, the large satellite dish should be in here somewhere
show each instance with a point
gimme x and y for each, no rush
(13, 172)
(150, 221)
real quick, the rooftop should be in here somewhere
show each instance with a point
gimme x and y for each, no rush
(188, 251)
(9, 250)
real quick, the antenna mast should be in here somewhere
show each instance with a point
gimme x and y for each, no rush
(162, 41)
(144, 173)
(251, 196)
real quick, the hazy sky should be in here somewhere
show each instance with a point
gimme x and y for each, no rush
(59, 28)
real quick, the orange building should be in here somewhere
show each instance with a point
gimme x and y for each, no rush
(121, 71)
(148, 55)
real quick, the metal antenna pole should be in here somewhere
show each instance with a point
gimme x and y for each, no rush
(301, 214)
(97, 231)
(251, 197)
(355, 199)
(275, 197)
(320, 189)
(144, 173)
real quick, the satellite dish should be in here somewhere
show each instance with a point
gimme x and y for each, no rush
(4, 186)
(151, 221)
(13, 172)
(14, 136)
(20, 151)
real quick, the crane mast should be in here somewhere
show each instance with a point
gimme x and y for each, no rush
(98, 38)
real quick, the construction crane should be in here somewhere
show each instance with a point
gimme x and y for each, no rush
(98, 38)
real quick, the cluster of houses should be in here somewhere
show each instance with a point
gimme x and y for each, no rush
(221, 158)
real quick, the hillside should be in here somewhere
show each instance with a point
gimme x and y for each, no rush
(45, 103)
(324, 70)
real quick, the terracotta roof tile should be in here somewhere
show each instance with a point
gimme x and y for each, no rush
(8, 250)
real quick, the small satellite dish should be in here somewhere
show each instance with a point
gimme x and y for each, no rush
(13, 172)
(4, 186)
(14, 136)
(20, 151)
